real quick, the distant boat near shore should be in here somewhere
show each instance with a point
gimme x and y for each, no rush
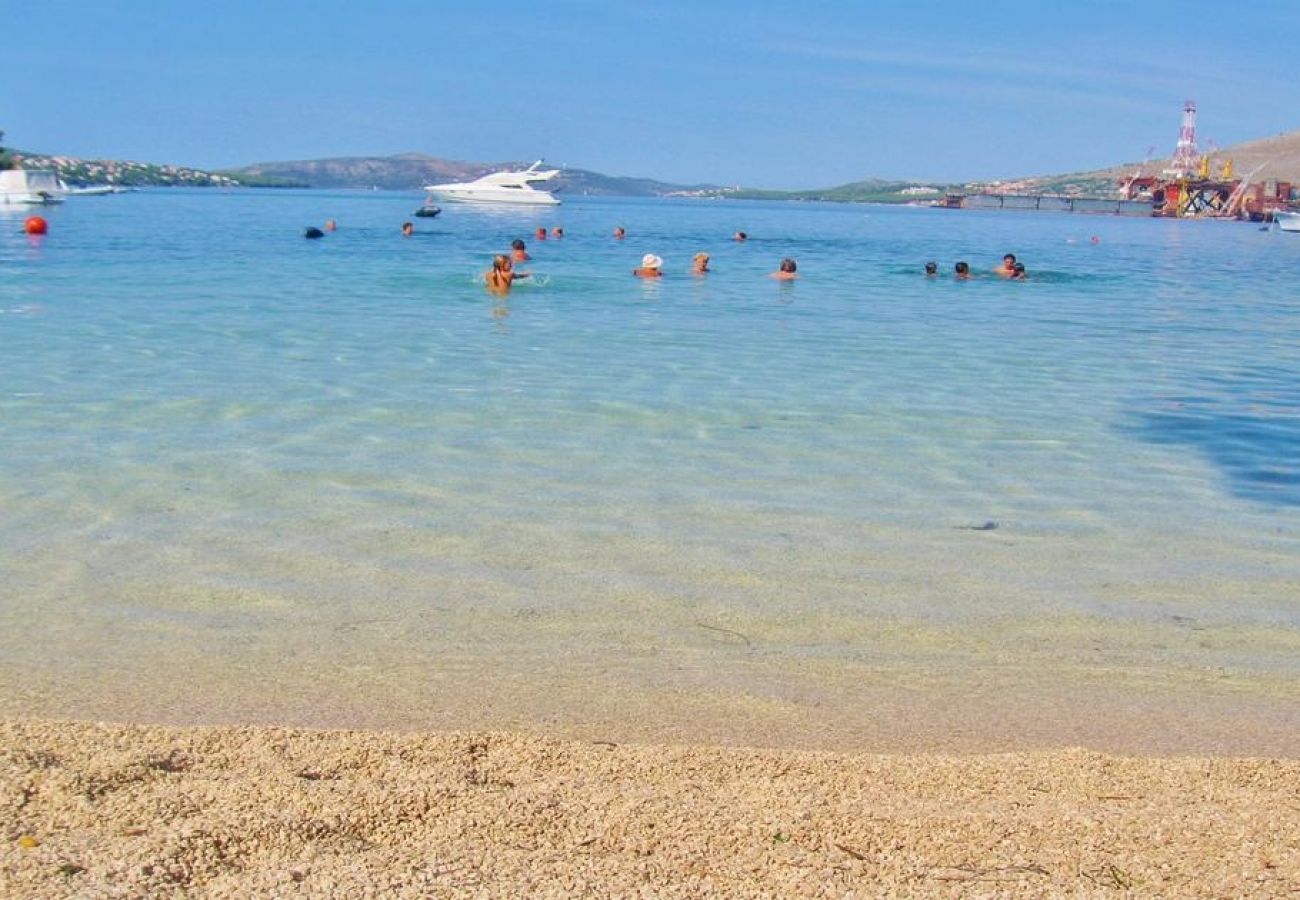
(1287, 221)
(30, 187)
(94, 190)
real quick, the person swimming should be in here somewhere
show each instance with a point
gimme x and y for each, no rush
(619, 233)
(408, 229)
(331, 225)
(787, 271)
(1018, 272)
(557, 232)
(502, 274)
(740, 237)
(651, 267)
(700, 264)
(1008, 267)
(962, 269)
(540, 234)
(519, 251)
(931, 269)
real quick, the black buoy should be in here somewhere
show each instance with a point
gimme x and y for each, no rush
(427, 211)
(313, 232)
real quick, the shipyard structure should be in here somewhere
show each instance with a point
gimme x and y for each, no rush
(1194, 185)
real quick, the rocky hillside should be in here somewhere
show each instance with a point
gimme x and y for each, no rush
(408, 171)
(1279, 156)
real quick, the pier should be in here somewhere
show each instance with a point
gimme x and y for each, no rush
(1050, 203)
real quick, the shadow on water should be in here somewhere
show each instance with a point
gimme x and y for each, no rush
(1247, 424)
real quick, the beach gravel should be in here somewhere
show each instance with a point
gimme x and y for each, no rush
(98, 810)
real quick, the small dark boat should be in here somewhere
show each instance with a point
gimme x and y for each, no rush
(428, 211)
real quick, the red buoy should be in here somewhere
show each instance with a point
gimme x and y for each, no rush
(35, 225)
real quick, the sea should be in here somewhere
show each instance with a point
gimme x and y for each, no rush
(247, 477)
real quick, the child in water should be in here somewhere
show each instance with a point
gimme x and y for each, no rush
(502, 274)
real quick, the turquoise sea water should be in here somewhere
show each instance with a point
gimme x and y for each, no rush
(251, 477)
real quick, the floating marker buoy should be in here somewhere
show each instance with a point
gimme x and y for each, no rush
(36, 225)
(313, 232)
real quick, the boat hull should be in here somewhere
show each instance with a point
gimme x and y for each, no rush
(1287, 221)
(497, 198)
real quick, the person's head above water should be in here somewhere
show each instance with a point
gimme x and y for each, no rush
(1009, 260)
(518, 244)
(932, 268)
(1018, 271)
(786, 270)
(700, 262)
(962, 269)
(540, 234)
(651, 267)
(740, 236)
(788, 265)
(619, 232)
(408, 229)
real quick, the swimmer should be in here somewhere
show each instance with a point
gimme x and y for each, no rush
(540, 234)
(931, 269)
(1018, 272)
(787, 271)
(502, 274)
(557, 232)
(519, 251)
(651, 267)
(331, 225)
(700, 265)
(619, 233)
(408, 229)
(740, 237)
(1008, 266)
(962, 269)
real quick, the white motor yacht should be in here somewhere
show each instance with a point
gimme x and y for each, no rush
(500, 187)
(30, 187)
(1287, 221)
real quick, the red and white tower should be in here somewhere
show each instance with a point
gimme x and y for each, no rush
(1185, 157)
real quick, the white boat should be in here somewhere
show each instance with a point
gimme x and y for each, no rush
(500, 187)
(93, 190)
(29, 187)
(1287, 221)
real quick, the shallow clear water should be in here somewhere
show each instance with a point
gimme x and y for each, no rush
(247, 476)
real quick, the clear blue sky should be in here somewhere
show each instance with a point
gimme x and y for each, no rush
(763, 94)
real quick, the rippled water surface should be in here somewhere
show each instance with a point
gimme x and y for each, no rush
(246, 476)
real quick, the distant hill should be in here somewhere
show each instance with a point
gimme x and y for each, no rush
(409, 171)
(125, 173)
(1279, 156)
(872, 190)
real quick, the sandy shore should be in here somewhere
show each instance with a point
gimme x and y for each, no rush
(123, 811)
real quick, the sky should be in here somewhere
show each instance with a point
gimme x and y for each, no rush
(779, 95)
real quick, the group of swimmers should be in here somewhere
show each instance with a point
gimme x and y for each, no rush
(503, 274)
(1010, 269)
